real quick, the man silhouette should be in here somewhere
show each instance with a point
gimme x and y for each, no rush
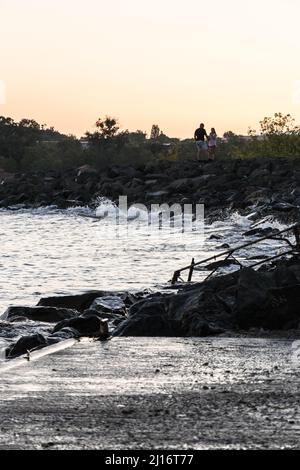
(200, 136)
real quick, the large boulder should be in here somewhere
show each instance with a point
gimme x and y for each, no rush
(245, 299)
(261, 232)
(204, 309)
(196, 311)
(26, 344)
(263, 303)
(284, 207)
(110, 304)
(157, 194)
(79, 302)
(113, 319)
(129, 172)
(42, 314)
(63, 335)
(115, 301)
(147, 318)
(89, 326)
(86, 171)
(181, 185)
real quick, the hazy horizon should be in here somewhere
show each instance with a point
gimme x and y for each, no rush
(169, 63)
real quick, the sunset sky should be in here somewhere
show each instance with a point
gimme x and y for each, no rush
(171, 62)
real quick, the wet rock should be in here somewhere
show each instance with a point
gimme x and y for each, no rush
(261, 232)
(156, 176)
(262, 303)
(114, 304)
(146, 318)
(102, 301)
(62, 335)
(261, 196)
(284, 207)
(157, 194)
(145, 324)
(86, 170)
(245, 299)
(179, 185)
(215, 237)
(79, 302)
(42, 314)
(271, 184)
(130, 172)
(260, 175)
(25, 344)
(113, 319)
(196, 312)
(90, 326)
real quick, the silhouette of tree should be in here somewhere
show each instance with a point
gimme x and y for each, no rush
(278, 125)
(108, 127)
(155, 132)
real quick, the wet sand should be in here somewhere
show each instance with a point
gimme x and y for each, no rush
(155, 393)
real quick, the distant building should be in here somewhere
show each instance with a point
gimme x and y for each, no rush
(245, 138)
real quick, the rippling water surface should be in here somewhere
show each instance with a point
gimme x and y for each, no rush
(48, 251)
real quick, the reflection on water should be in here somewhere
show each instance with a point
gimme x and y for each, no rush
(47, 251)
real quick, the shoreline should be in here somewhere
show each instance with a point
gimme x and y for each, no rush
(243, 304)
(265, 186)
(265, 299)
(130, 394)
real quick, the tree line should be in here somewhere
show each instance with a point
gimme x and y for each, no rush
(30, 146)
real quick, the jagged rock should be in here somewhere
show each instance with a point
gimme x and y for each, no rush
(157, 194)
(262, 303)
(90, 326)
(149, 319)
(284, 207)
(79, 302)
(179, 185)
(215, 237)
(86, 170)
(246, 299)
(194, 312)
(42, 314)
(113, 319)
(269, 183)
(110, 303)
(25, 344)
(261, 232)
(62, 335)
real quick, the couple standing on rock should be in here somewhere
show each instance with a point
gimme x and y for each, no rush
(206, 144)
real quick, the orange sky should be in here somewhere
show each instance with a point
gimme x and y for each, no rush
(174, 63)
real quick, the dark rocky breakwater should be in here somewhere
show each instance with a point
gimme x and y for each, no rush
(271, 185)
(267, 299)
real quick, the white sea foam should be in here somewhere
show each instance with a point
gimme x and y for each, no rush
(47, 250)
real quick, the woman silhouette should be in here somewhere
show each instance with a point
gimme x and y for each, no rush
(212, 143)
